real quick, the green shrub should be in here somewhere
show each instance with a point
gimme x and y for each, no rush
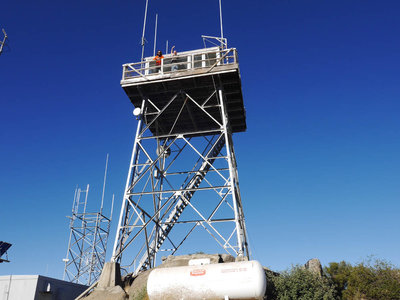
(371, 280)
(339, 274)
(300, 284)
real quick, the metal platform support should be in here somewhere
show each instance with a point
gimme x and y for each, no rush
(182, 176)
(87, 241)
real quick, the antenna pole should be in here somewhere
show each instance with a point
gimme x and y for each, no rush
(220, 20)
(144, 28)
(166, 48)
(3, 42)
(155, 36)
(104, 184)
(112, 208)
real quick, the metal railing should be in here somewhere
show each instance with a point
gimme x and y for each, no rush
(194, 60)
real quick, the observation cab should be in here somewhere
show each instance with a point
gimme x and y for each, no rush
(197, 72)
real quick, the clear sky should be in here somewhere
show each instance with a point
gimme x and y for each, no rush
(319, 165)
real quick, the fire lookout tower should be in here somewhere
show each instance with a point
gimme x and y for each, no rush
(183, 173)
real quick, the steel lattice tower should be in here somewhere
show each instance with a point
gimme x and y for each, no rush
(183, 172)
(87, 244)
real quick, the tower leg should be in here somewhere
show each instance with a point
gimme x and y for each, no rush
(234, 180)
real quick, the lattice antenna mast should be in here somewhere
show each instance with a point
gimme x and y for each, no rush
(2, 43)
(88, 238)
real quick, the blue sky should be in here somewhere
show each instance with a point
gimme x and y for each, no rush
(318, 166)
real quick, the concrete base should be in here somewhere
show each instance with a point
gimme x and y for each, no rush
(114, 293)
(110, 276)
(109, 286)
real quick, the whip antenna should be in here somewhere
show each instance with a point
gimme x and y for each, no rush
(104, 184)
(3, 42)
(155, 36)
(143, 41)
(220, 20)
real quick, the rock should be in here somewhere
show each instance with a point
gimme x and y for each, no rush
(109, 285)
(183, 260)
(138, 288)
(314, 266)
(241, 258)
(111, 293)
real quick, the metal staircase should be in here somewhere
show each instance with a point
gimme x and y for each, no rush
(180, 205)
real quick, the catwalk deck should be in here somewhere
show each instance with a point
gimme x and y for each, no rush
(195, 74)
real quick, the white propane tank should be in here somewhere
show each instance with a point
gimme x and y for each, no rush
(238, 280)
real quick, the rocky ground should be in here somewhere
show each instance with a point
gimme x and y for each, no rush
(113, 287)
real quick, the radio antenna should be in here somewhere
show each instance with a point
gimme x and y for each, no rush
(104, 184)
(2, 43)
(220, 20)
(143, 41)
(155, 36)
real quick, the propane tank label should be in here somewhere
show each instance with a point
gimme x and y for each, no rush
(198, 272)
(234, 270)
